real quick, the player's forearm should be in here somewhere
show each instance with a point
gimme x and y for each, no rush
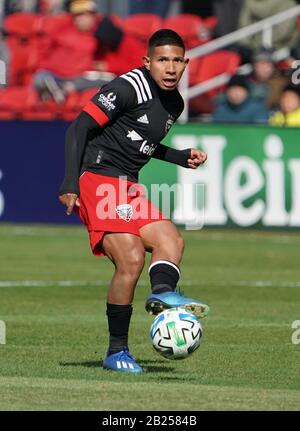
(76, 139)
(171, 155)
(72, 167)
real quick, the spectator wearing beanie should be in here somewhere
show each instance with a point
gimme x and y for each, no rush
(266, 83)
(238, 106)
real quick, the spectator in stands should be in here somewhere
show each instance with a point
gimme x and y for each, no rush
(289, 114)
(238, 106)
(69, 55)
(13, 6)
(284, 34)
(157, 7)
(266, 83)
(117, 51)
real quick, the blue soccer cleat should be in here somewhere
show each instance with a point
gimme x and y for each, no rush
(157, 302)
(122, 361)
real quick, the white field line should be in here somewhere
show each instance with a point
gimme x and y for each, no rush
(284, 239)
(185, 283)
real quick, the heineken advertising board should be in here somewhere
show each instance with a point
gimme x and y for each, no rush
(251, 177)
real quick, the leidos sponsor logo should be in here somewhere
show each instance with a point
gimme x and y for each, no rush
(107, 101)
(144, 148)
(147, 149)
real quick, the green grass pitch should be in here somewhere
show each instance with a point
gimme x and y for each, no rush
(52, 300)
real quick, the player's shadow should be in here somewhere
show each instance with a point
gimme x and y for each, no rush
(151, 366)
(89, 364)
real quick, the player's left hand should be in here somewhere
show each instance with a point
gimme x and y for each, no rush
(197, 158)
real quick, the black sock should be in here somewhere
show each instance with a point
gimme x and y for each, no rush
(118, 317)
(164, 276)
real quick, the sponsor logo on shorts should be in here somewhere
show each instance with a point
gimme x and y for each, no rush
(125, 211)
(107, 101)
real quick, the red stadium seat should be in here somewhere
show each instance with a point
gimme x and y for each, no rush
(53, 23)
(50, 110)
(24, 103)
(23, 32)
(117, 20)
(86, 95)
(23, 59)
(208, 67)
(142, 25)
(211, 22)
(191, 28)
(22, 25)
(14, 100)
(214, 64)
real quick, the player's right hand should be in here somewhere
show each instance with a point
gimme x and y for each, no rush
(69, 200)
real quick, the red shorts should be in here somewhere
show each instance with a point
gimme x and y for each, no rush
(110, 204)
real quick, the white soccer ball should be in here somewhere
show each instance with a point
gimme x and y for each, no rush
(175, 333)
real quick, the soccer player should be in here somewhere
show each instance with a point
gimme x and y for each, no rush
(114, 136)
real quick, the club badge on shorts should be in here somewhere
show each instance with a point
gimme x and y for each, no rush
(125, 211)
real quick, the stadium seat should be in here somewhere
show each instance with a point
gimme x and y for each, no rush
(14, 101)
(191, 28)
(142, 25)
(86, 95)
(206, 68)
(50, 110)
(211, 22)
(117, 20)
(213, 65)
(23, 59)
(53, 23)
(23, 32)
(22, 25)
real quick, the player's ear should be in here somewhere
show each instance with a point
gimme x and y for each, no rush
(186, 62)
(146, 61)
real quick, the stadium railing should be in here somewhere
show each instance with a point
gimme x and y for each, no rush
(265, 27)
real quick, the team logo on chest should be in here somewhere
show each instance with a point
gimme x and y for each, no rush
(125, 212)
(134, 136)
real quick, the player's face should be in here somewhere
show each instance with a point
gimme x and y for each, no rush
(166, 65)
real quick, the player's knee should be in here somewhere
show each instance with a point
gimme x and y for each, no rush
(133, 263)
(178, 245)
(137, 259)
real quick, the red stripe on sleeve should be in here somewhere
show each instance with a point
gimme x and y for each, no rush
(95, 112)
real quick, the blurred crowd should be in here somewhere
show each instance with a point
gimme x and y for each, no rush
(82, 44)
